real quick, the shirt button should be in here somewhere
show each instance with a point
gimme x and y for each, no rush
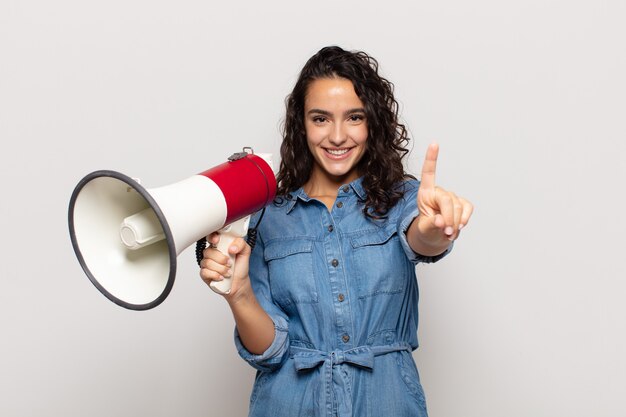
(330, 228)
(345, 338)
(334, 262)
(339, 204)
(345, 188)
(341, 297)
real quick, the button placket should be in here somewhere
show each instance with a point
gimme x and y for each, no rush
(332, 242)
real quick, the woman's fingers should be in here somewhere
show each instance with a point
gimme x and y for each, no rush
(213, 239)
(458, 212)
(209, 275)
(215, 265)
(468, 209)
(216, 255)
(452, 213)
(225, 270)
(445, 206)
(440, 209)
(429, 168)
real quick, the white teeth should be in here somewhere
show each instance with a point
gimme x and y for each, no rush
(337, 151)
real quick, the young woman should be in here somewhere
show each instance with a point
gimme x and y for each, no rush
(326, 303)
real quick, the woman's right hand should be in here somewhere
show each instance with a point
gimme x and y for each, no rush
(215, 266)
(255, 327)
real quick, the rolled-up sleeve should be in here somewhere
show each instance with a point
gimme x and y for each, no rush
(274, 355)
(408, 214)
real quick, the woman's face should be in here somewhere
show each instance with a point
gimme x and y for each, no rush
(336, 128)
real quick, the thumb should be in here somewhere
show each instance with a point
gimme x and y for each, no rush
(430, 224)
(241, 252)
(239, 247)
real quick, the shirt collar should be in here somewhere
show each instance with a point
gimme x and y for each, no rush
(357, 186)
(299, 194)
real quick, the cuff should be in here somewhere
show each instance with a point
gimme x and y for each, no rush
(413, 256)
(273, 356)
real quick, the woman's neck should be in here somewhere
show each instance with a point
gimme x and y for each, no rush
(324, 187)
(323, 184)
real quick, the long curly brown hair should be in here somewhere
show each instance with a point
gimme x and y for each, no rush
(381, 165)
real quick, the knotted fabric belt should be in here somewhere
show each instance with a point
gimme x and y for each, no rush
(336, 383)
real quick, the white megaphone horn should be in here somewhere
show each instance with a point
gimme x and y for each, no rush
(127, 237)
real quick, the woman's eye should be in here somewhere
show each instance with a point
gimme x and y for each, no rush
(356, 117)
(319, 119)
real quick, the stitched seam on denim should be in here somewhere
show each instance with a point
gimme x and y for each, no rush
(412, 387)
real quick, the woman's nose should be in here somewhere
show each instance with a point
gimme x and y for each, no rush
(338, 135)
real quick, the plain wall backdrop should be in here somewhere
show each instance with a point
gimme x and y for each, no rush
(526, 98)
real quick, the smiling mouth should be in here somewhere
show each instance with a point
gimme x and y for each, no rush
(337, 152)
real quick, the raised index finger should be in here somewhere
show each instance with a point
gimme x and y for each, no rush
(430, 166)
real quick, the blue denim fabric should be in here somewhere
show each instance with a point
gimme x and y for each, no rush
(342, 292)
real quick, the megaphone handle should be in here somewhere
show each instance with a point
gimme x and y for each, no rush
(227, 235)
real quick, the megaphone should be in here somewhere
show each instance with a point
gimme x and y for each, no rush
(127, 237)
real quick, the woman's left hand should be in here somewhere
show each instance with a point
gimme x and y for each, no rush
(442, 214)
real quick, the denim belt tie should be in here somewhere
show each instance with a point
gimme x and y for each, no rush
(335, 382)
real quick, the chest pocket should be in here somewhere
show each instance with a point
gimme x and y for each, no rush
(290, 264)
(379, 262)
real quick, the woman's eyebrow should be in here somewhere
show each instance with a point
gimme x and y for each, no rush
(319, 111)
(327, 113)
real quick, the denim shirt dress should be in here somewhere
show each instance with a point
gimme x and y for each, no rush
(342, 293)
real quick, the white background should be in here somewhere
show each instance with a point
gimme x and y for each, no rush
(526, 98)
